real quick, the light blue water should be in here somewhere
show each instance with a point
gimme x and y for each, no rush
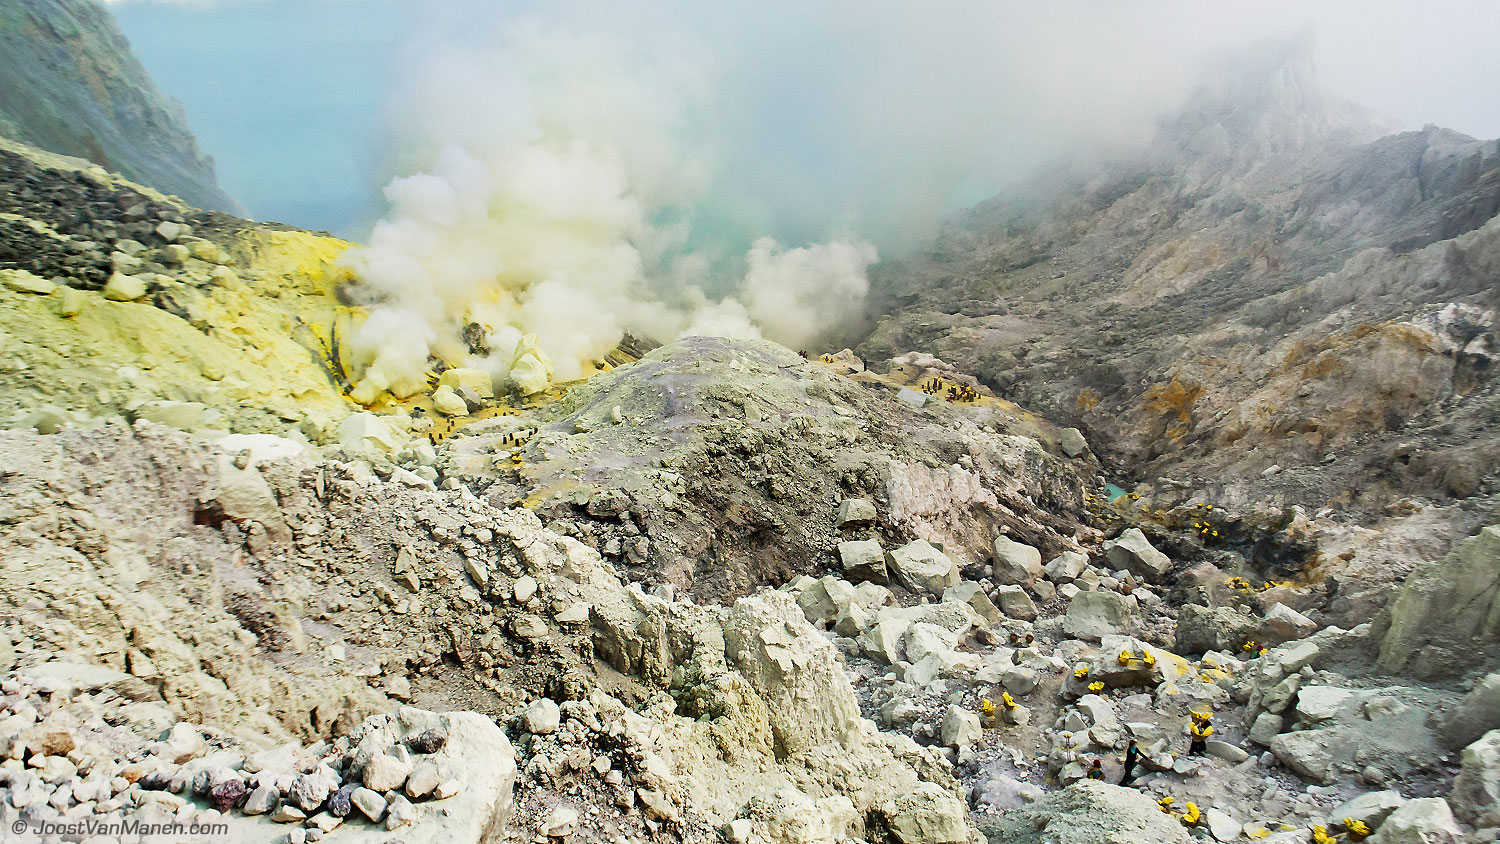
(285, 94)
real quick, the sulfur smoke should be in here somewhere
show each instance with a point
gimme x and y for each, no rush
(552, 209)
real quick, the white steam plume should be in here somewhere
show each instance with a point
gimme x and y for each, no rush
(554, 200)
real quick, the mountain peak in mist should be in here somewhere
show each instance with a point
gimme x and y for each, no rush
(1265, 102)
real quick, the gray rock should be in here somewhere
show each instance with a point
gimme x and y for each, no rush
(1446, 617)
(1094, 615)
(1226, 751)
(1428, 820)
(1201, 629)
(1015, 562)
(969, 592)
(863, 561)
(921, 568)
(1476, 714)
(1372, 808)
(960, 727)
(341, 802)
(1266, 727)
(1476, 789)
(261, 800)
(1015, 603)
(1065, 567)
(1072, 442)
(1283, 624)
(309, 791)
(855, 512)
(1309, 753)
(1086, 812)
(1320, 703)
(926, 814)
(1133, 552)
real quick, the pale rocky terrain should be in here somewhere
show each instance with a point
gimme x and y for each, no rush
(721, 592)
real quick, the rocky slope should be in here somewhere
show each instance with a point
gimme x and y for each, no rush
(1280, 303)
(714, 592)
(70, 84)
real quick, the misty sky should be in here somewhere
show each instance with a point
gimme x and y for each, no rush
(832, 105)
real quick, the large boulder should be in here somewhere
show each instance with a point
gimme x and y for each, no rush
(1133, 552)
(1016, 562)
(1370, 809)
(926, 815)
(855, 512)
(1201, 629)
(1015, 603)
(863, 561)
(1425, 821)
(1476, 789)
(1094, 615)
(1283, 624)
(1087, 812)
(921, 568)
(1446, 617)
(1475, 715)
(1065, 567)
(971, 593)
(1308, 753)
(809, 702)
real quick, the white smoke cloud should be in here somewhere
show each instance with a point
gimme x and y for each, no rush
(556, 177)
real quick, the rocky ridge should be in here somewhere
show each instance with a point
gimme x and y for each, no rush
(71, 85)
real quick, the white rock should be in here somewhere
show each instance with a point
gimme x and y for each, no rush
(385, 773)
(863, 560)
(22, 281)
(561, 822)
(541, 717)
(448, 403)
(476, 380)
(525, 587)
(369, 803)
(1221, 825)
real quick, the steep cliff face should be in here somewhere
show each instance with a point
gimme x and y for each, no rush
(1279, 285)
(70, 84)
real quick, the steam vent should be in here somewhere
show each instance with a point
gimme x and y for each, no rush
(632, 473)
